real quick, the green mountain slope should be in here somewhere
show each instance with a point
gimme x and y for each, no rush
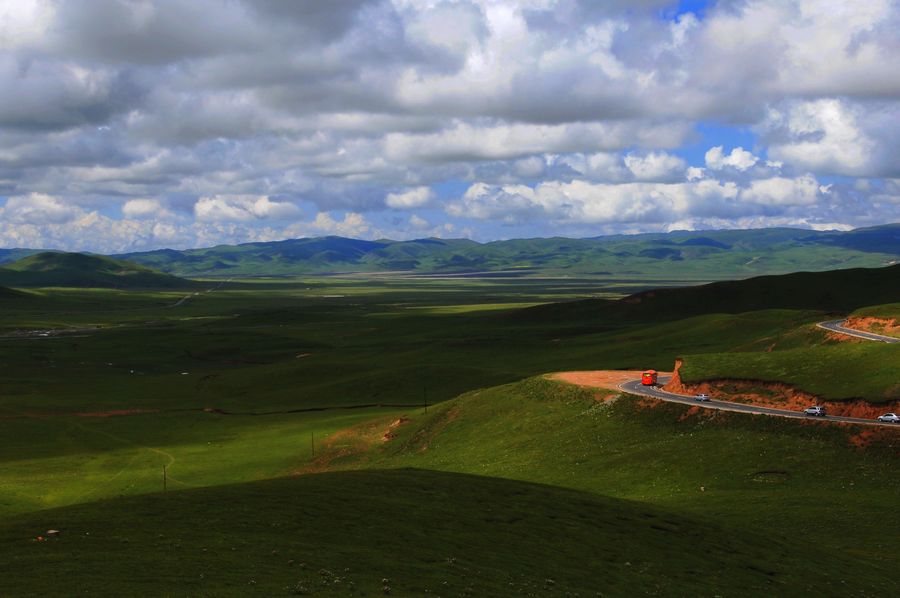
(11, 255)
(780, 478)
(704, 255)
(838, 290)
(404, 533)
(6, 293)
(832, 291)
(844, 371)
(79, 270)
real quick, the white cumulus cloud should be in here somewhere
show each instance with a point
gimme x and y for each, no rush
(800, 191)
(739, 158)
(823, 135)
(39, 208)
(146, 209)
(242, 208)
(409, 199)
(655, 166)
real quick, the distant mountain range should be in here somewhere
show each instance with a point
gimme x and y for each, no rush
(705, 255)
(79, 270)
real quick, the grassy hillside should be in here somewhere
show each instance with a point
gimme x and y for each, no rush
(11, 255)
(888, 311)
(840, 372)
(6, 293)
(660, 500)
(701, 256)
(838, 290)
(406, 532)
(832, 291)
(56, 269)
(554, 433)
(880, 319)
(780, 478)
(243, 384)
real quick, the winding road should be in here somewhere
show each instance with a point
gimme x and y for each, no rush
(837, 326)
(635, 387)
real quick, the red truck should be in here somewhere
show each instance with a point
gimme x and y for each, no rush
(648, 378)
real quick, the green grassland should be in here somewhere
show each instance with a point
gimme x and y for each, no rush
(779, 477)
(630, 499)
(891, 310)
(229, 385)
(844, 371)
(51, 461)
(406, 533)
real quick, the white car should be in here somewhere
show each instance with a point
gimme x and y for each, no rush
(816, 410)
(702, 397)
(889, 417)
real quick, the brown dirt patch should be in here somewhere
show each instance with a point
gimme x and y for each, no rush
(696, 412)
(347, 444)
(869, 437)
(837, 337)
(648, 403)
(389, 433)
(886, 326)
(609, 379)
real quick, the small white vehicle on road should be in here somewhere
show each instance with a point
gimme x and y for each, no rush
(702, 397)
(889, 418)
(816, 411)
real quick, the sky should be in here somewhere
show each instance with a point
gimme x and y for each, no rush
(129, 125)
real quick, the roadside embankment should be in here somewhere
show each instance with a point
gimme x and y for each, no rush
(875, 325)
(763, 393)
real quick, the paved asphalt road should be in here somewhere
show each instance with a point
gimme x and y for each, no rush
(635, 387)
(836, 326)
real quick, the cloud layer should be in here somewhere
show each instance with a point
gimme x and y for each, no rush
(133, 124)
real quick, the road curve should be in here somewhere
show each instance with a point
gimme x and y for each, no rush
(837, 326)
(635, 387)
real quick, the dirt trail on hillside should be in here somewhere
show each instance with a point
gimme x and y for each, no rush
(774, 394)
(348, 444)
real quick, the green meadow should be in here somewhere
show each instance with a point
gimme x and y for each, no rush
(322, 435)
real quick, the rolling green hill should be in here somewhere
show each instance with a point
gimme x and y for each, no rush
(839, 291)
(404, 533)
(890, 310)
(56, 269)
(883, 320)
(704, 255)
(494, 492)
(11, 255)
(584, 496)
(841, 372)
(6, 293)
